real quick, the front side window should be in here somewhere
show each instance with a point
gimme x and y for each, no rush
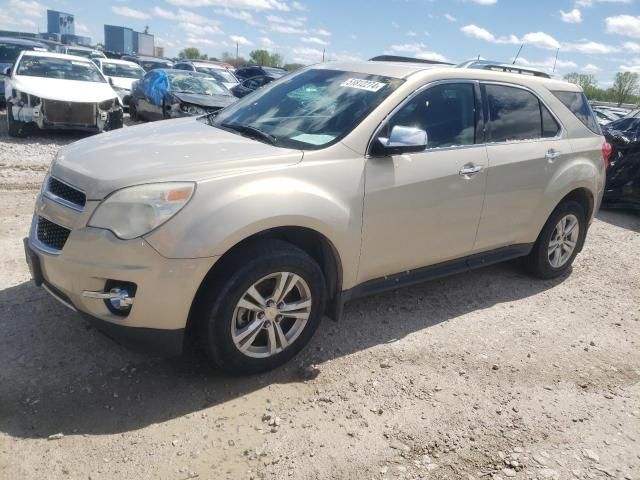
(446, 112)
(59, 68)
(219, 74)
(308, 110)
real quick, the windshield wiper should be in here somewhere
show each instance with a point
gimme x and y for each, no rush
(252, 132)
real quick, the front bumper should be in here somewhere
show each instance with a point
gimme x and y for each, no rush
(92, 259)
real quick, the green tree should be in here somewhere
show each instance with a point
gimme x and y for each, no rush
(292, 67)
(625, 86)
(265, 59)
(190, 53)
(588, 82)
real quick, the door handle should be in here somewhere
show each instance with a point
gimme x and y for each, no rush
(552, 154)
(471, 170)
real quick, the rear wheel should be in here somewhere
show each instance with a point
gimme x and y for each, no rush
(14, 127)
(559, 242)
(264, 310)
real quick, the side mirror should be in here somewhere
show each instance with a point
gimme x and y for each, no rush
(403, 140)
(7, 71)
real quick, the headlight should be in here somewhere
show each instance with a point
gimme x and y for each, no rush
(135, 211)
(192, 109)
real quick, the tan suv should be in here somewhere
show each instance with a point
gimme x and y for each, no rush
(242, 229)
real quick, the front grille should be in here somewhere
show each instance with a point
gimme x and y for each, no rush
(52, 235)
(70, 113)
(66, 192)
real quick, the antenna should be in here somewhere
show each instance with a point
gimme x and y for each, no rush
(556, 60)
(518, 54)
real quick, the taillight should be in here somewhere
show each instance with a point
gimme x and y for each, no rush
(606, 154)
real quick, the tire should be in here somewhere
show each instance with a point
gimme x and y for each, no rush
(545, 264)
(220, 316)
(133, 112)
(14, 127)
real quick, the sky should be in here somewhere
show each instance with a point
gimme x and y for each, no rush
(599, 37)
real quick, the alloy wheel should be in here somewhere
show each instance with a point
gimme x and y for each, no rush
(564, 240)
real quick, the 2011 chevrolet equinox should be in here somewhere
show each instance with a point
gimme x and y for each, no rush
(342, 180)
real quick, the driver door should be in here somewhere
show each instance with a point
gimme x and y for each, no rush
(423, 208)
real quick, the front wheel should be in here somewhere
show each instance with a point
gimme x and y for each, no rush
(14, 127)
(559, 242)
(263, 309)
(133, 112)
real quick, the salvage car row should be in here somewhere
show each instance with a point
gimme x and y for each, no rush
(82, 89)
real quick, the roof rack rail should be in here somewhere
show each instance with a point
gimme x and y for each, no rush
(398, 58)
(503, 67)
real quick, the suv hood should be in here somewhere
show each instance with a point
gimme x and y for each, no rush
(205, 100)
(183, 149)
(64, 90)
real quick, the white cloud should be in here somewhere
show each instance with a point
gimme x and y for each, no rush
(411, 33)
(485, 2)
(190, 28)
(30, 8)
(297, 6)
(183, 16)
(12, 15)
(450, 17)
(266, 42)
(418, 50)
(591, 68)
(590, 48)
(130, 12)
(573, 16)
(590, 3)
(241, 15)
(288, 29)
(240, 40)
(242, 4)
(635, 67)
(314, 40)
(536, 39)
(547, 64)
(294, 22)
(631, 47)
(624, 25)
(82, 29)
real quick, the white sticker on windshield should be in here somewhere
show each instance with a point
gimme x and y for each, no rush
(368, 85)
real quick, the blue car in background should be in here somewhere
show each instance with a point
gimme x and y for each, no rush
(10, 48)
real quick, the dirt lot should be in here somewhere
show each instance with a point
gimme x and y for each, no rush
(485, 375)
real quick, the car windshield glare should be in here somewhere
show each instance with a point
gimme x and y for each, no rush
(196, 85)
(219, 74)
(311, 109)
(59, 68)
(9, 53)
(122, 71)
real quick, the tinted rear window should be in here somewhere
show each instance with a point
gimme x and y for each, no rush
(514, 114)
(579, 106)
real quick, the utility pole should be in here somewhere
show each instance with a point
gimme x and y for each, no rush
(323, 50)
(556, 60)
(236, 50)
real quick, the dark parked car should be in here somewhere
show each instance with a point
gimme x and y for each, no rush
(166, 93)
(10, 48)
(250, 85)
(148, 63)
(250, 71)
(623, 177)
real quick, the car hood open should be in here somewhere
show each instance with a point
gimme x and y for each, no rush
(183, 149)
(205, 100)
(64, 90)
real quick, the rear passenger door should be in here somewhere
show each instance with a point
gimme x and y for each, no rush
(525, 147)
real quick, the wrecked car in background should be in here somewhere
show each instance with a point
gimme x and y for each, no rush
(163, 94)
(148, 63)
(10, 48)
(85, 52)
(218, 72)
(121, 75)
(58, 91)
(623, 176)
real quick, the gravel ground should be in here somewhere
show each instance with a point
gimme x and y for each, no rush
(490, 374)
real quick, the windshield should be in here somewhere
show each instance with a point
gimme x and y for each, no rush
(59, 68)
(79, 52)
(150, 65)
(309, 110)
(123, 71)
(219, 74)
(9, 53)
(196, 85)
